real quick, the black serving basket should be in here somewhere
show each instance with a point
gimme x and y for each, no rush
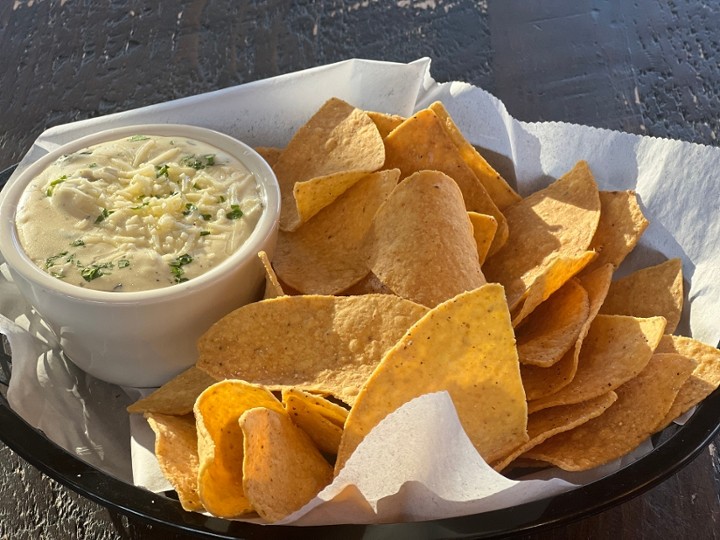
(674, 448)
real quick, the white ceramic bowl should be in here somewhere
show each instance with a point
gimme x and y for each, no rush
(142, 338)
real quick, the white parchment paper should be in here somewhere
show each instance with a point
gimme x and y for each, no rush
(418, 463)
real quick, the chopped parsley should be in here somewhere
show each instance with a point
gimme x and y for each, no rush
(204, 233)
(206, 217)
(123, 263)
(95, 270)
(50, 261)
(176, 267)
(189, 208)
(161, 170)
(77, 243)
(136, 138)
(104, 215)
(198, 162)
(235, 212)
(54, 183)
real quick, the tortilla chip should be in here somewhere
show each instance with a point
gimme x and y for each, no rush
(370, 284)
(421, 243)
(656, 290)
(337, 146)
(324, 344)
(282, 469)
(557, 272)
(327, 254)
(556, 222)
(642, 403)
(621, 225)
(544, 424)
(466, 347)
(496, 186)
(177, 455)
(220, 444)
(540, 382)
(704, 379)
(269, 153)
(552, 329)
(273, 288)
(484, 229)
(615, 350)
(177, 396)
(321, 419)
(422, 143)
(385, 122)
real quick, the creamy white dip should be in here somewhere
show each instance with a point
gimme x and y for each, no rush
(138, 213)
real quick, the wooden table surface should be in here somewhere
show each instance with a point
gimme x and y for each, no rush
(649, 67)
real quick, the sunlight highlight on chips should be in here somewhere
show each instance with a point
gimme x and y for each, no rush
(421, 241)
(177, 396)
(484, 229)
(321, 419)
(465, 346)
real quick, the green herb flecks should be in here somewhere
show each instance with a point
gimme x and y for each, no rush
(57, 181)
(198, 162)
(50, 261)
(189, 209)
(104, 215)
(95, 270)
(161, 170)
(77, 243)
(176, 267)
(123, 263)
(136, 138)
(204, 233)
(235, 212)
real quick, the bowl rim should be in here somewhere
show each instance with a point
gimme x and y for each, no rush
(17, 259)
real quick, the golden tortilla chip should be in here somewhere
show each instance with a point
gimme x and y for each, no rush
(273, 288)
(704, 379)
(177, 396)
(269, 153)
(466, 347)
(334, 149)
(496, 186)
(220, 443)
(370, 284)
(282, 469)
(327, 254)
(540, 382)
(642, 403)
(385, 122)
(324, 344)
(553, 328)
(556, 222)
(544, 424)
(177, 455)
(656, 290)
(615, 350)
(621, 225)
(321, 419)
(422, 143)
(484, 229)
(556, 273)
(421, 243)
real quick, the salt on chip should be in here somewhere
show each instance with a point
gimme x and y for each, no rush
(421, 243)
(177, 455)
(272, 285)
(385, 122)
(496, 186)
(321, 419)
(553, 328)
(540, 382)
(220, 443)
(656, 290)
(484, 229)
(422, 143)
(335, 148)
(621, 225)
(282, 469)
(556, 222)
(324, 344)
(642, 403)
(544, 424)
(704, 379)
(177, 396)
(616, 349)
(327, 254)
(464, 346)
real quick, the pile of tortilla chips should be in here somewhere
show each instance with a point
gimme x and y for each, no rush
(407, 265)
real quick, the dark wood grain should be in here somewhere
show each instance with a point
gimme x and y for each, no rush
(648, 67)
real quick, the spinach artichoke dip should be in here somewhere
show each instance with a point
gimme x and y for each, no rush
(139, 213)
